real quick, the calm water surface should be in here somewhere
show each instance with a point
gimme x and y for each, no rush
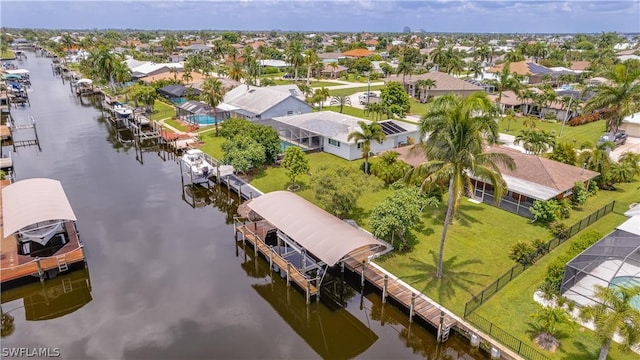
(167, 280)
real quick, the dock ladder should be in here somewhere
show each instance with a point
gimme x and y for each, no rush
(62, 263)
(66, 285)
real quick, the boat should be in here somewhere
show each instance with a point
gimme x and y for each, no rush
(122, 113)
(196, 166)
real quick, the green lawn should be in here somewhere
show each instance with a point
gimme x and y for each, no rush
(584, 133)
(350, 91)
(350, 111)
(319, 84)
(417, 108)
(177, 124)
(212, 144)
(511, 306)
(7, 55)
(162, 111)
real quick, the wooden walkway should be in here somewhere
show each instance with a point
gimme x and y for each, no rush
(418, 304)
(293, 274)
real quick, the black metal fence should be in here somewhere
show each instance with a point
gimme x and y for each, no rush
(505, 338)
(517, 269)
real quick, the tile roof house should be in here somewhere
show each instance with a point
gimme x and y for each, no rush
(260, 103)
(358, 53)
(528, 69)
(533, 178)
(445, 84)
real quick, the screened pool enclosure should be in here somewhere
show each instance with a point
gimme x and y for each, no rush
(611, 262)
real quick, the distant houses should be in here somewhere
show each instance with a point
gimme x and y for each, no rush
(444, 84)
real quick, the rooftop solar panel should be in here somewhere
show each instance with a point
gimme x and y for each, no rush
(390, 128)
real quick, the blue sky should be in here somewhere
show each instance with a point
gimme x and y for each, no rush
(539, 16)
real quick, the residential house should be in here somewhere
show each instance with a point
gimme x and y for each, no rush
(259, 103)
(329, 131)
(631, 125)
(177, 93)
(444, 84)
(532, 72)
(328, 57)
(533, 178)
(331, 72)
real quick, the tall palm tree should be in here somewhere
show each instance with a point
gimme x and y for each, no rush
(368, 132)
(405, 68)
(322, 94)
(310, 59)
(535, 141)
(621, 97)
(237, 73)
(458, 129)
(293, 54)
(104, 63)
(613, 314)
(333, 66)
(340, 100)
(218, 51)
(423, 84)
(213, 94)
(506, 81)
(475, 69)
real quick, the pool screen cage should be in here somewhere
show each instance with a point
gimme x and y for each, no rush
(616, 256)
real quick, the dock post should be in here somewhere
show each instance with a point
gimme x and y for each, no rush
(384, 288)
(342, 267)
(84, 256)
(413, 304)
(270, 259)
(304, 260)
(364, 267)
(40, 271)
(288, 272)
(308, 292)
(240, 191)
(440, 327)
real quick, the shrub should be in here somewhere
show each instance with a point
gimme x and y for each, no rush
(564, 211)
(270, 70)
(559, 230)
(593, 188)
(523, 253)
(580, 194)
(545, 212)
(541, 246)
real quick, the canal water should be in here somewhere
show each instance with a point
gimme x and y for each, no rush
(165, 278)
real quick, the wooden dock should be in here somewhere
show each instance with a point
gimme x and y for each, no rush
(292, 273)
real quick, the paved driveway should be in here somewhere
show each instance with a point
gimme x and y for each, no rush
(632, 144)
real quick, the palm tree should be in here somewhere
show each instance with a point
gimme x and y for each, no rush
(310, 59)
(104, 63)
(405, 68)
(322, 94)
(333, 66)
(613, 314)
(218, 51)
(367, 133)
(475, 69)
(506, 81)
(423, 84)
(459, 128)
(237, 73)
(213, 94)
(597, 159)
(340, 100)
(535, 141)
(293, 54)
(620, 97)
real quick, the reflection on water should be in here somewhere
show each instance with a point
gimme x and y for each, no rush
(48, 299)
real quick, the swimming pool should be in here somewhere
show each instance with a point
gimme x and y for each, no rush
(627, 281)
(202, 119)
(285, 144)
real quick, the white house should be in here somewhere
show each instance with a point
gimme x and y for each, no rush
(330, 131)
(260, 103)
(631, 125)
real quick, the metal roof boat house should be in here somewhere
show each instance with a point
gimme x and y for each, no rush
(40, 238)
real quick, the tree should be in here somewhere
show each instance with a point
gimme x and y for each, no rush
(213, 94)
(104, 64)
(425, 84)
(243, 153)
(398, 213)
(322, 94)
(366, 134)
(296, 163)
(341, 101)
(545, 212)
(458, 130)
(293, 55)
(580, 194)
(613, 313)
(620, 97)
(386, 69)
(597, 159)
(237, 72)
(395, 98)
(564, 153)
(535, 141)
(389, 169)
(548, 321)
(310, 59)
(506, 81)
(333, 65)
(265, 135)
(405, 68)
(144, 94)
(7, 326)
(338, 187)
(475, 69)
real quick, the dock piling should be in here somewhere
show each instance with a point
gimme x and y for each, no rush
(40, 271)
(384, 288)
(288, 273)
(412, 307)
(362, 278)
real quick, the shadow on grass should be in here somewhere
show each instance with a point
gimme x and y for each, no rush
(455, 278)
(583, 352)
